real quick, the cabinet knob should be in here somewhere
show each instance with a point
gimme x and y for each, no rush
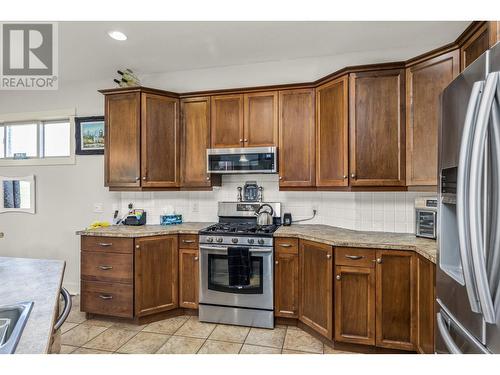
(137, 246)
(379, 260)
(195, 258)
(328, 256)
(345, 176)
(241, 140)
(246, 140)
(338, 277)
(281, 178)
(144, 178)
(275, 262)
(353, 175)
(137, 178)
(208, 178)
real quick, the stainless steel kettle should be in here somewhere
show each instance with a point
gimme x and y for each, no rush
(264, 217)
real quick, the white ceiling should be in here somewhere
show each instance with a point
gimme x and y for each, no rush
(87, 52)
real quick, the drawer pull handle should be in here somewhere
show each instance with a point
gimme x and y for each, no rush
(354, 257)
(188, 241)
(105, 244)
(105, 268)
(105, 296)
(285, 245)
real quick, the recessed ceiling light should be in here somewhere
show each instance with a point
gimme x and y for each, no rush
(117, 35)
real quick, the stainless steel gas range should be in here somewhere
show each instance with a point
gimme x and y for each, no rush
(236, 267)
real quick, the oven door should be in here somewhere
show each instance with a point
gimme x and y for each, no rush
(215, 288)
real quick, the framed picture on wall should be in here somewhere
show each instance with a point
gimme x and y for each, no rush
(89, 135)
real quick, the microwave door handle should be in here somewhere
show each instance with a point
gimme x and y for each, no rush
(462, 196)
(476, 196)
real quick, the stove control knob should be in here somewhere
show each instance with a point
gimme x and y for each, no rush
(234, 240)
(219, 239)
(250, 240)
(210, 239)
(261, 241)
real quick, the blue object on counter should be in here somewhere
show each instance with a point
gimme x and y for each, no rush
(170, 219)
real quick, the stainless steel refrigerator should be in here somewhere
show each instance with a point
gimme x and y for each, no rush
(468, 269)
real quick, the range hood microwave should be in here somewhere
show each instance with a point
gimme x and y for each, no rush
(242, 160)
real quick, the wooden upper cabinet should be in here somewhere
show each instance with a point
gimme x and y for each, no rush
(316, 294)
(426, 281)
(195, 139)
(396, 309)
(122, 140)
(156, 270)
(227, 121)
(286, 278)
(377, 128)
(332, 127)
(261, 119)
(296, 138)
(475, 46)
(355, 304)
(424, 83)
(160, 141)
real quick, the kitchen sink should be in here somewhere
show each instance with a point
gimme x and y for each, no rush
(13, 318)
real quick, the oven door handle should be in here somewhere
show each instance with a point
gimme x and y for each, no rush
(223, 249)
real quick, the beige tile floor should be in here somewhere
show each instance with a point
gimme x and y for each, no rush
(181, 335)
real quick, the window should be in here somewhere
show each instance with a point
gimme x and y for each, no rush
(36, 142)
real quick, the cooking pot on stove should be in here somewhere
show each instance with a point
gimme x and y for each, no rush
(264, 216)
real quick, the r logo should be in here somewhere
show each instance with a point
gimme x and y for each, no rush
(27, 49)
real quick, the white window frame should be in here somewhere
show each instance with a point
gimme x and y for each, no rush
(39, 117)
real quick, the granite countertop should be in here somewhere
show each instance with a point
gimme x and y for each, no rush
(37, 280)
(352, 238)
(145, 230)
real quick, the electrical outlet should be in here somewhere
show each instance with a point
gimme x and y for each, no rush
(98, 208)
(195, 207)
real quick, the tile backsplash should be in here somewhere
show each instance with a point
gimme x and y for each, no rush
(380, 211)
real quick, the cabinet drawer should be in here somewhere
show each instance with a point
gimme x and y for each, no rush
(348, 256)
(188, 241)
(107, 299)
(103, 266)
(287, 245)
(108, 244)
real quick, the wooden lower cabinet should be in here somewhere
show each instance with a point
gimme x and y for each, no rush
(316, 283)
(355, 305)
(426, 281)
(188, 278)
(396, 308)
(286, 279)
(156, 268)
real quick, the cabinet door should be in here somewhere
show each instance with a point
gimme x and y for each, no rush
(396, 299)
(424, 83)
(261, 119)
(377, 128)
(297, 138)
(156, 269)
(426, 280)
(475, 46)
(286, 283)
(160, 141)
(188, 278)
(316, 294)
(227, 121)
(332, 149)
(195, 139)
(122, 138)
(355, 305)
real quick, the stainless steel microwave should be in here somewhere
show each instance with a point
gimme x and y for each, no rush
(242, 160)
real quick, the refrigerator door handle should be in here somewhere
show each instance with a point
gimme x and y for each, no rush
(462, 196)
(476, 222)
(445, 334)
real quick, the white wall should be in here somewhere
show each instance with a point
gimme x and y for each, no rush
(384, 211)
(65, 194)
